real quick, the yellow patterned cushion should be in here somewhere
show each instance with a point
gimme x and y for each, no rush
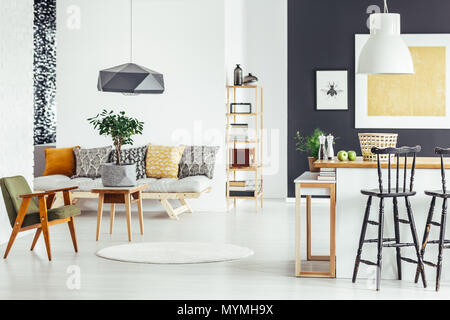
(162, 162)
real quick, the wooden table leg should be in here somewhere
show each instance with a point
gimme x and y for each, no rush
(128, 210)
(101, 197)
(111, 218)
(297, 230)
(333, 230)
(141, 216)
(308, 228)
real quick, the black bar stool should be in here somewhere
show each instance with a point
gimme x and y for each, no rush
(443, 244)
(395, 193)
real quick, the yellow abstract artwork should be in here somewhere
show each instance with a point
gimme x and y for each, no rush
(418, 95)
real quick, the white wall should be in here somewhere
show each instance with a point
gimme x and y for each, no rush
(16, 95)
(256, 34)
(184, 40)
(195, 44)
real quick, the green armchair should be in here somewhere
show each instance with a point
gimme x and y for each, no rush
(27, 213)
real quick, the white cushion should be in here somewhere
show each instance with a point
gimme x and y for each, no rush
(166, 185)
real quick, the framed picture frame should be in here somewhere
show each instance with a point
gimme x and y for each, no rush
(417, 101)
(331, 90)
(243, 108)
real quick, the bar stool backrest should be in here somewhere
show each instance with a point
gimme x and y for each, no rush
(442, 152)
(398, 152)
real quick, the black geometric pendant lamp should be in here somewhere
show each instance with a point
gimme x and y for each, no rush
(130, 78)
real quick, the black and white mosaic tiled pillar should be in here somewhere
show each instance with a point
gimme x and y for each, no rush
(44, 71)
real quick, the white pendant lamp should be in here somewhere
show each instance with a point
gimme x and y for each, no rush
(385, 52)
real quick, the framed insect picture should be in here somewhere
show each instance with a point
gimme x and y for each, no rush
(332, 90)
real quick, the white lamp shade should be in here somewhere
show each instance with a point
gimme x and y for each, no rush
(385, 52)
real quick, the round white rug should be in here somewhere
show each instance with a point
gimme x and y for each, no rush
(174, 252)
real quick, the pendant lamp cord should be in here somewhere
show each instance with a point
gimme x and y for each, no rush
(131, 30)
(386, 9)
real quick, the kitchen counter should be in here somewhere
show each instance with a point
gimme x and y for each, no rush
(351, 177)
(421, 163)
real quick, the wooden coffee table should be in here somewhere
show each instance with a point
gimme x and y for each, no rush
(125, 195)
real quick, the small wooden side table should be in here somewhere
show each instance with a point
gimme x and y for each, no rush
(307, 184)
(125, 195)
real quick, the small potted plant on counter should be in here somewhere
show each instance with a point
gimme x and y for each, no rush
(120, 128)
(310, 145)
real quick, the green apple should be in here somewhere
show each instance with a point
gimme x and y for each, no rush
(342, 155)
(351, 155)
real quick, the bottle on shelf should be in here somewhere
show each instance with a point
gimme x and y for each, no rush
(238, 75)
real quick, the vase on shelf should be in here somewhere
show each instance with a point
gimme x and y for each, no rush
(238, 75)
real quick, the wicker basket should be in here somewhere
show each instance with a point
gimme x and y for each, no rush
(379, 140)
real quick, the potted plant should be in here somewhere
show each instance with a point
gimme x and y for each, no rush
(310, 145)
(120, 128)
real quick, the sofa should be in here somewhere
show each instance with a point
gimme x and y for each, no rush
(189, 185)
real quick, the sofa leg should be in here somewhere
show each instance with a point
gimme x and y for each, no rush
(174, 213)
(169, 209)
(188, 207)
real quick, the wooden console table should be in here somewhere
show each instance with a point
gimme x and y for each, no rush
(307, 184)
(126, 195)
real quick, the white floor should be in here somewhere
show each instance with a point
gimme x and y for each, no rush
(266, 275)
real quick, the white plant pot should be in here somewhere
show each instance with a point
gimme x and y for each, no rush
(118, 176)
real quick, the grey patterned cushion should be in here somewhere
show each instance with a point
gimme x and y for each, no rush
(89, 161)
(132, 156)
(197, 161)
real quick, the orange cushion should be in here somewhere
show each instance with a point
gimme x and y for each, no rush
(59, 161)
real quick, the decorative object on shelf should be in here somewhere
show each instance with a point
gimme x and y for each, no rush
(130, 78)
(385, 52)
(240, 108)
(244, 156)
(239, 132)
(403, 101)
(330, 149)
(120, 128)
(332, 90)
(378, 140)
(250, 79)
(310, 145)
(238, 75)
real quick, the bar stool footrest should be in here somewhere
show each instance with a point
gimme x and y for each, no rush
(398, 245)
(409, 260)
(437, 224)
(370, 263)
(437, 241)
(376, 240)
(374, 223)
(404, 221)
(431, 264)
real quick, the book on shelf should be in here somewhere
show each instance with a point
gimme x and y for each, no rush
(237, 183)
(249, 190)
(327, 169)
(239, 125)
(322, 178)
(327, 174)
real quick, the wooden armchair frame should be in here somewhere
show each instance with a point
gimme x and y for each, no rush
(46, 200)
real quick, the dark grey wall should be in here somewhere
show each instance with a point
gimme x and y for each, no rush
(321, 37)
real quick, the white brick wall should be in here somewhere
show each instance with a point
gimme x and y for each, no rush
(16, 95)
